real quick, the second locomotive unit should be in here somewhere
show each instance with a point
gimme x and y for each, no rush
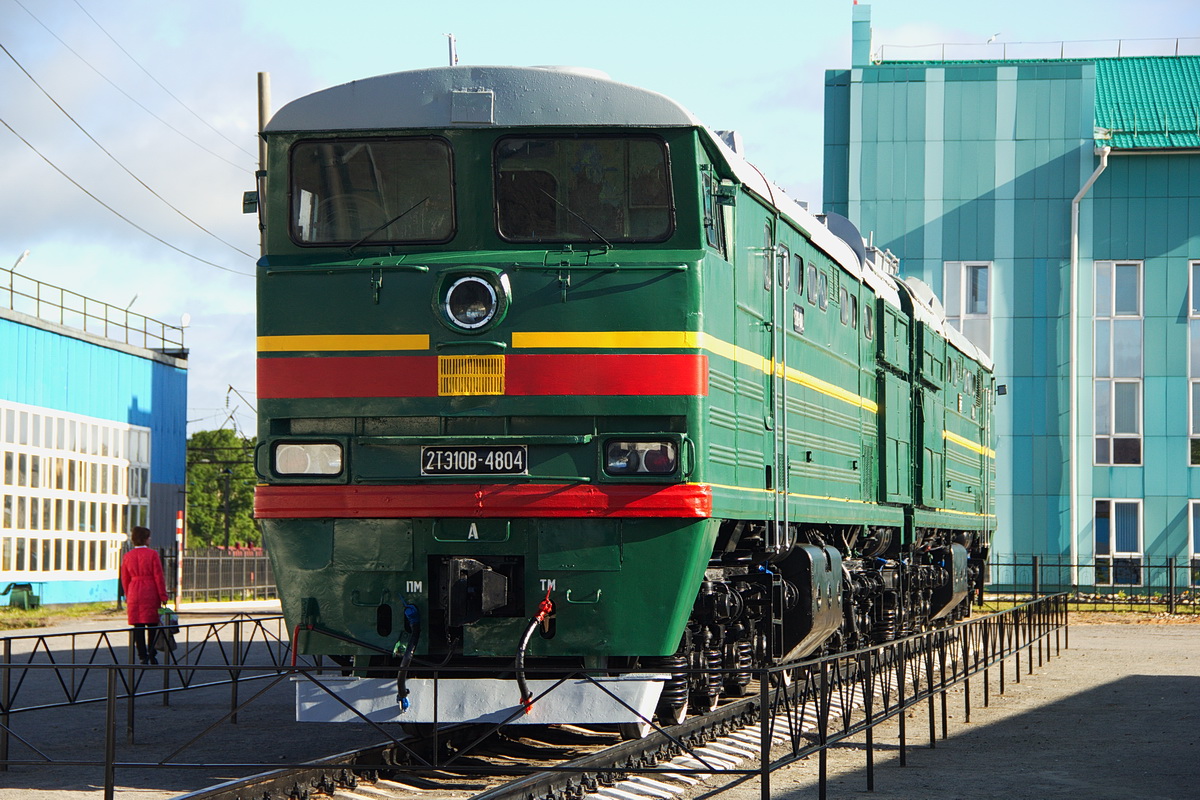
(541, 353)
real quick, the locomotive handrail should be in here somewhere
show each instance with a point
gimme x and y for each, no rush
(471, 343)
(334, 267)
(496, 478)
(467, 441)
(639, 267)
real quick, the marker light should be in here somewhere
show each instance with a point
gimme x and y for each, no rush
(471, 302)
(640, 458)
(308, 459)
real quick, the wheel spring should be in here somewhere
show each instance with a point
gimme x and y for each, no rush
(887, 627)
(713, 679)
(675, 690)
(739, 656)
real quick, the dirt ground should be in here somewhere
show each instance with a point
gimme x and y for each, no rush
(1113, 717)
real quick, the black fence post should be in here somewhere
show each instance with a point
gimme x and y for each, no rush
(764, 730)
(1171, 585)
(110, 735)
(236, 673)
(131, 690)
(5, 704)
(1036, 576)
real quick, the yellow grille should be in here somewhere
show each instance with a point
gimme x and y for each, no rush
(468, 375)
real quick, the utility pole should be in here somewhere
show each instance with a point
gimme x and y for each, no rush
(228, 475)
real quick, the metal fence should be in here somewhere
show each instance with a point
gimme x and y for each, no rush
(806, 706)
(64, 307)
(1133, 583)
(45, 671)
(217, 574)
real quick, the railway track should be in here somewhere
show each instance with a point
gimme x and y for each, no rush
(573, 763)
(561, 762)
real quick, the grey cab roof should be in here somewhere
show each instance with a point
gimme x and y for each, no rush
(470, 96)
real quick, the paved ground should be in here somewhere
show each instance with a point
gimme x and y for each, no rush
(264, 733)
(1114, 716)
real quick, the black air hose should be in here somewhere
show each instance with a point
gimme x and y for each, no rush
(545, 609)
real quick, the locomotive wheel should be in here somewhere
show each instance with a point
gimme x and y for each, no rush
(634, 730)
(706, 703)
(672, 715)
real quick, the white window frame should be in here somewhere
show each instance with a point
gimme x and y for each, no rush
(1111, 561)
(1193, 543)
(1193, 425)
(955, 297)
(99, 462)
(1107, 384)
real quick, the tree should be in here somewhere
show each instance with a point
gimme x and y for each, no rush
(220, 477)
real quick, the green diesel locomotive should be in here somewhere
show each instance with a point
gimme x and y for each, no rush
(540, 352)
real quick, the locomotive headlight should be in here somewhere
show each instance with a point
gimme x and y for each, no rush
(621, 459)
(640, 458)
(308, 459)
(471, 302)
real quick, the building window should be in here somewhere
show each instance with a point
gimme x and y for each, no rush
(1117, 346)
(70, 485)
(1194, 362)
(1194, 537)
(1118, 527)
(967, 290)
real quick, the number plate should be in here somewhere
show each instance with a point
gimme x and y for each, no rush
(509, 459)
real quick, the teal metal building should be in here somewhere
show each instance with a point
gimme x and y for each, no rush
(1054, 206)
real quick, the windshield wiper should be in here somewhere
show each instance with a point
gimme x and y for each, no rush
(389, 223)
(576, 215)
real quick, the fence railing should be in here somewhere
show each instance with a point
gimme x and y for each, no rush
(809, 705)
(64, 307)
(216, 574)
(1008, 51)
(1119, 583)
(46, 671)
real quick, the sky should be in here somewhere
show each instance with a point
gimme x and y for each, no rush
(123, 173)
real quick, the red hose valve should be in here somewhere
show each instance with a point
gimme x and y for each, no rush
(545, 609)
(542, 617)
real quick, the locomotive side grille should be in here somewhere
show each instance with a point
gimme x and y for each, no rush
(470, 375)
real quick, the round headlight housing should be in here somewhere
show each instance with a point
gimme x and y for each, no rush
(471, 302)
(640, 458)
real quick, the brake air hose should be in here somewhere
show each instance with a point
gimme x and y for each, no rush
(545, 609)
(412, 626)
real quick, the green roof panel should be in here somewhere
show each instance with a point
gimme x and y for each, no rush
(1148, 102)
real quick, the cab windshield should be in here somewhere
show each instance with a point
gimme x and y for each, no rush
(601, 189)
(372, 190)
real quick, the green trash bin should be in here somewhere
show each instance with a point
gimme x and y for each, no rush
(21, 595)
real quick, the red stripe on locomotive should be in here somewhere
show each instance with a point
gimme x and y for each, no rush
(483, 500)
(637, 374)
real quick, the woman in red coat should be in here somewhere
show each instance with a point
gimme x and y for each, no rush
(145, 590)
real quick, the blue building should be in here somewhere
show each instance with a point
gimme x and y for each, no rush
(1054, 205)
(93, 435)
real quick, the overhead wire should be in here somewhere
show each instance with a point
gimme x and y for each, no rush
(114, 159)
(121, 216)
(130, 97)
(160, 83)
